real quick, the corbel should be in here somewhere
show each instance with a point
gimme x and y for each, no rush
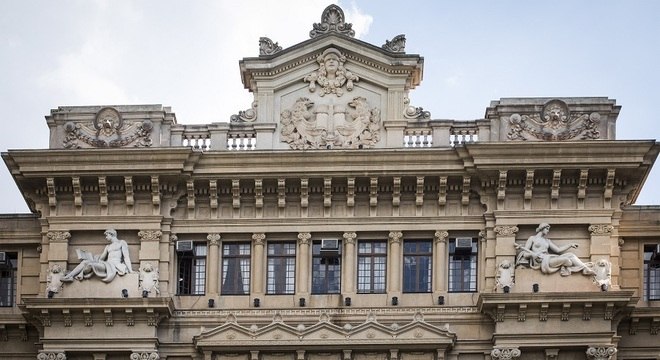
(304, 192)
(44, 317)
(522, 312)
(87, 315)
(103, 192)
(347, 354)
(130, 319)
(52, 199)
(213, 194)
(655, 325)
(300, 354)
(77, 193)
(128, 188)
(396, 191)
(66, 315)
(254, 355)
(586, 311)
(499, 312)
(373, 191)
(24, 332)
(259, 193)
(155, 191)
(327, 192)
(190, 188)
(236, 193)
(108, 317)
(609, 187)
(609, 311)
(634, 326)
(281, 193)
(442, 191)
(152, 317)
(419, 193)
(529, 186)
(465, 198)
(394, 354)
(543, 312)
(582, 188)
(554, 193)
(3, 333)
(565, 310)
(501, 189)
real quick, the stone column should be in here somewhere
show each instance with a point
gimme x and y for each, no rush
(394, 286)
(303, 271)
(213, 268)
(51, 356)
(439, 262)
(601, 352)
(258, 242)
(505, 353)
(350, 262)
(145, 356)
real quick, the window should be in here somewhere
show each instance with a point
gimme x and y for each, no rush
(417, 269)
(462, 265)
(281, 268)
(651, 272)
(192, 270)
(236, 269)
(372, 265)
(326, 268)
(8, 272)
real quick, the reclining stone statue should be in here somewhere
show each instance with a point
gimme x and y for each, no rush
(542, 254)
(114, 260)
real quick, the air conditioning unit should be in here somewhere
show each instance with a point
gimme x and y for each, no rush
(463, 245)
(184, 245)
(330, 247)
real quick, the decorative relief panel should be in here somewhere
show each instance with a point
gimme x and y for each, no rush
(554, 123)
(354, 125)
(108, 130)
(332, 74)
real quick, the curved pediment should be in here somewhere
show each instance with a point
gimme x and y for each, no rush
(324, 334)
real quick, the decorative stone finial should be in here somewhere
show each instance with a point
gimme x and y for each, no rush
(397, 45)
(268, 47)
(332, 20)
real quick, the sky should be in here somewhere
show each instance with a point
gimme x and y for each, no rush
(185, 54)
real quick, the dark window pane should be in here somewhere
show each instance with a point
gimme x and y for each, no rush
(462, 268)
(236, 269)
(417, 267)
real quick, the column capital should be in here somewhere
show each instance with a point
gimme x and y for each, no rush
(441, 236)
(150, 235)
(303, 238)
(506, 230)
(258, 238)
(145, 356)
(505, 353)
(58, 236)
(601, 352)
(51, 356)
(214, 239)
(601, 229)
(349, 237)
(395, 236)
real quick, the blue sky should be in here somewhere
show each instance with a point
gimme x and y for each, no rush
(185, 55)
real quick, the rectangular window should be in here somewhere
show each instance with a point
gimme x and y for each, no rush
(652, 272)
(192, 270)
(417, 255)
(372, 266)
(8, 273)
(236, 269)
(462, 265)
(326, 267)
(281, 268)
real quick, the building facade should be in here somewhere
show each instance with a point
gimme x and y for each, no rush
(333, 220)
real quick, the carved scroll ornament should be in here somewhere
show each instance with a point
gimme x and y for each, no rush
(107, 130)
(268, 47)
(396, 45)
(306, 126)
(554, 123)
(332, 20)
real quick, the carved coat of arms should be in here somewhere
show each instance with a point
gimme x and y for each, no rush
(554, 123)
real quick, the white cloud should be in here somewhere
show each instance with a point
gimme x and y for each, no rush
(361, 21)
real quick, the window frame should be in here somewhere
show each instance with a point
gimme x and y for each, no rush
(416, 257)
(197, 269)
(275, 279)
(371, 257)
(322, 267)
(9, 283)
(650, 276)
(471, 286)
(236, 287)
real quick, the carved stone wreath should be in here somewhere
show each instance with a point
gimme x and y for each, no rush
(326, 126)
(554, 123)
(107, 130)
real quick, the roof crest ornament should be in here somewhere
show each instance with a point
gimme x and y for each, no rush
(332, 20)
(396, 45)
(268, 47)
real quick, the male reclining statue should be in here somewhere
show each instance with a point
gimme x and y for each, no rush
(114, 260)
